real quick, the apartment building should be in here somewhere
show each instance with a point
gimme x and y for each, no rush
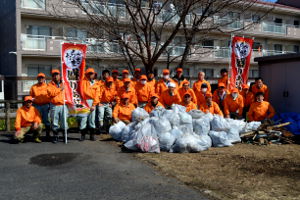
(31, 40)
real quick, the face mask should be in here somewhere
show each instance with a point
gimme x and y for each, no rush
(234, 95)
(166, 76)
(143, 82)
(203, 90)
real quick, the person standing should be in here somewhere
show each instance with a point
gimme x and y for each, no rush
(90, 92)
(41, 101)
(117, 83)
(162, 84)
(201, 80)
(28, 119)
(143, 91)
(107, 99)
(220, 94)
(179, 78)
(259, 86)
(136, 76)
(58, 109)
(151, 81)
(248, 99)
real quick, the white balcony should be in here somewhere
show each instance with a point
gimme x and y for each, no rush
(33, 4)
(274, 28)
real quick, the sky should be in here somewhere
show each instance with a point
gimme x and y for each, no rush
(270, 0)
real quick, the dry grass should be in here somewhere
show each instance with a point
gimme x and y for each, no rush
(244, 171)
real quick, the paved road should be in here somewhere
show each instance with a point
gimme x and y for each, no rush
(81, 170)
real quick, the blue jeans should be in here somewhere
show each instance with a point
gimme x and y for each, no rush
(44, 111)
(58, 118)
(89, 120)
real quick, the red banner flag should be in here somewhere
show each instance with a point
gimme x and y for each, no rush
(73, 68)
(240, 61)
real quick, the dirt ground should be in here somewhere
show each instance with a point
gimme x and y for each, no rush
(243, 171)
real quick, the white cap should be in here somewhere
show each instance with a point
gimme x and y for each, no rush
(171, 84)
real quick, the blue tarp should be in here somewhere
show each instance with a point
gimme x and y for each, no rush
(292, 117)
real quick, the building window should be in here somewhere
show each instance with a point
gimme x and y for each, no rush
(278, 47)
(253, 73)
(296, 23)
(257, 45)
(76, 33)
(34, 69)
(208, 43)
(39, 30)
(296, 48)
(33, 4)
(255, 18)
(278, 21)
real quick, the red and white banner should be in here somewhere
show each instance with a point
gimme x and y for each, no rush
(73, 68)
(240, 61)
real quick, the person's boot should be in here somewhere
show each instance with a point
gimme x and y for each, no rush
(48, 137)
(92, 134)
(55, 137)
(82, 137)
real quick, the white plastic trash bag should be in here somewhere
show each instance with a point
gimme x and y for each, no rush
(219, 124)
(185, 118)
(209, 116)
(178, 108)
(196, 114)
(219, 139)
(251, 126)
(127, 131)
(157, 112)
(233, 135)
(139, 114)
(116, 130)
(189, 143)
(160, 124)
(166, 140)
(176, 132)
(201, 126)
(172, 117)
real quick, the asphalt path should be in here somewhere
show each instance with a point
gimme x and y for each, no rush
(81, 170)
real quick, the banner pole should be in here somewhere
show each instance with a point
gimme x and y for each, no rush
(64, 97)
(229, 62)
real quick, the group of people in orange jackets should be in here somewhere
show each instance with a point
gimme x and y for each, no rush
(112, 100)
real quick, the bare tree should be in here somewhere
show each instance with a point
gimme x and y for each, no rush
(145, 30)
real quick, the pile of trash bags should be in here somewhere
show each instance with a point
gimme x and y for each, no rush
(178, 131)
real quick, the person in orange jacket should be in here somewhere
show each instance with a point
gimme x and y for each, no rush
(41, 101)
(58, 111)
(162, 84)
(136, 76)
(260, 110)
(105, 74)
(248, 98)
(151, 81)
(117, 83)
(125, 75)
(153, 103)
(107, 99)
(185, 88)
(224, 77)
(28, 119)
(201, 95)
(201, 80)
(170, 96)
(234, 104)
(128, 89)
(209, 106)
(179, 78)
(123, 110)
(143, 91)
(188, 103)
(90, 91)
(220, 94)
(259, 86)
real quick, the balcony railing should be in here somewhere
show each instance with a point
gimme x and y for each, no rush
(33, 4)
(33, 42)
(274, 28)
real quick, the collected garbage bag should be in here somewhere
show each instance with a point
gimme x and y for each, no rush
(139, 114)
(185, 118)
(237, 124)
(219, 124)
(196, 114)
(201, 126)
(166, 140)
(219, 139)
(172, 117)
(178, 108)
(157, 112)
(176, 132)
(251, 126)
(160, 124)
(185, 128)
(233, 135)
(116, 130)
(209, 116)
(145, 139)
(127, 131)
(190, 143)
